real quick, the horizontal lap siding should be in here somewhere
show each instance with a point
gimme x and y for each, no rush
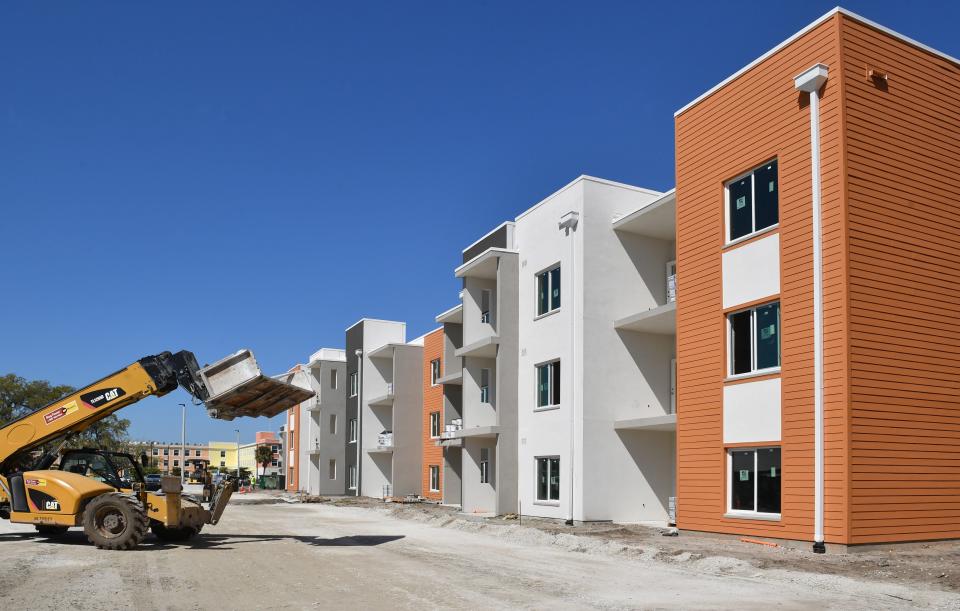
(432, 402)
(903, 149)
(757, 116)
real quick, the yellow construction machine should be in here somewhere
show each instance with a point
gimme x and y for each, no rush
(105, 492)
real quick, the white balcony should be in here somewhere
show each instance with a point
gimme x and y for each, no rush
(485, 347)
(661, 320)
(658, 219)
(666, 422)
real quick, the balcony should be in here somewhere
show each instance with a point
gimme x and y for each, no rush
(454, 315)
(454, 378)
(478, 432)
(661, 320)
(485, 347)
(314, 405)
(666, 422)
(658, 219)
(383, 400)
(483, 265)
(384, 443)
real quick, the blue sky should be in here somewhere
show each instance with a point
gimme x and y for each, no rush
(213, 176)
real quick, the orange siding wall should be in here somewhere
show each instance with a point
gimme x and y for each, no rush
(292, 470)
(756, 117)
(903, 152)
(432, 402)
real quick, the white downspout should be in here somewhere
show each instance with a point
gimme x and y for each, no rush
(810, 82)
(359, 354)
(568, 223)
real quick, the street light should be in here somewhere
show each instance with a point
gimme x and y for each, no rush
(183, 443)
(238, 455)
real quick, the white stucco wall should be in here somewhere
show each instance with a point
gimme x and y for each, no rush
(751, 271)
(751, 411)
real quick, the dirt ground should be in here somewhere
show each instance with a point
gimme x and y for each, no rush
(365, 554)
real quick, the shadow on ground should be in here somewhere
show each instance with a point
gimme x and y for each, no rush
(217, 541)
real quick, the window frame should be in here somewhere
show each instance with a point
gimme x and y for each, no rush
(351, 477)
(548, 460)
(354, 384)
(484, 388)
(745, 513)
(754, 371)
(434, 425)
(434, 473)
(352, 430)
(728, 241)
(434, 372)
(553, 385)
(334, 379)
(333, 424)
(484, 466)
(547, 275)
(332, 469)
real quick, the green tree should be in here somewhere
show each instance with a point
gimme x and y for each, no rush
(264, 456)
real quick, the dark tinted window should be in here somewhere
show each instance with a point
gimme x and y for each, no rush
(768, 336)
(741, 208)
(741, 481)
(768, 480)
(765, 196)
(555, 288)
(740, 342)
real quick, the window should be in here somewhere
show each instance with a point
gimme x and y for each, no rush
(332, 469)
(484, 386)
(353, 384)
(274, 448)
(352, 477)
(274, 463)
(333, 424)
(166, 463)
(754, 485)
(485, 306)
(548, 479)
(548, 384)
(352, 436)
(222, 464)
(754, 343)
(197, 453)
(671, 281)
(548, 291)
(176, 463)
(333, 378)
(176, 452)
(484, 465)
(166, 451)
(435, 424)
(156, 452)
(752, 202)
(434, 478)
(223, 453)
(434, 371)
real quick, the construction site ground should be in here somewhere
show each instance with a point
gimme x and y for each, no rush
(271, 551)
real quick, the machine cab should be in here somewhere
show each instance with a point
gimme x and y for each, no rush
(115, 469)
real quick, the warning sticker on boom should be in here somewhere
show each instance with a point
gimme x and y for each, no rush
(60, 412)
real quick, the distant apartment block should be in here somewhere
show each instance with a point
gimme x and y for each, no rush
(383, 409)
(316, 427)
(432, 416)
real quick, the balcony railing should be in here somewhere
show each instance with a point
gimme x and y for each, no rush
(450, 430)
(485, 316)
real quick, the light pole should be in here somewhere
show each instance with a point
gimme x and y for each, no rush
(183, 442)
(238, 455)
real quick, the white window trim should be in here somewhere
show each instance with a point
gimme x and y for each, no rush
(536, 300)
(754, 372)
(536, 474)
(434, 469)
(743, 513)
(550, 383)
(437, 414)
(354, 384)
(352, 430)
(753, 207)
(434, 378)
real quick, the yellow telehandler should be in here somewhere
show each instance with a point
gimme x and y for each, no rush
(105, 492)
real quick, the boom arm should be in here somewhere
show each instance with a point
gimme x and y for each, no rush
(153, 375)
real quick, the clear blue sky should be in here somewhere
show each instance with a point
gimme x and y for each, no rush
(212, 176)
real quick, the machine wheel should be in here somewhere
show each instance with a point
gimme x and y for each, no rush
(115, 521)
(173, 535)
(50, 530)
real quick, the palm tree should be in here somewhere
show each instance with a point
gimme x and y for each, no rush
(263, 456)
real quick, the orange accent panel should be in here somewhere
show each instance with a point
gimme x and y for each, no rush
(432, 402)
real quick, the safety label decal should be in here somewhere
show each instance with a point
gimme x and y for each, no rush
(60, 412)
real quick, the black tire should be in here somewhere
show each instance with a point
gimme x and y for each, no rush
(50, 530)
(115, 521)
(173, 535)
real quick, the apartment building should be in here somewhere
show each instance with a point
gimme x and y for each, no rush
(317, 452)
(488, 432)
(596, 423)
(248, 453)
(431, 483)
(817, 233)
(223, 455)
(451, 384)
(384, 405)
(167, 456)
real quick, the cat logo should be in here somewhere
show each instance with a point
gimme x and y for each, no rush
(51, 505)
(60, 412)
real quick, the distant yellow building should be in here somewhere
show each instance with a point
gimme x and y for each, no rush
(223, 455)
